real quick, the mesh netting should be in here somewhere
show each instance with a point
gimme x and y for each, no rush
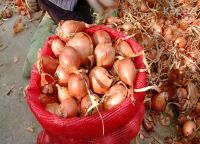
(121, 124)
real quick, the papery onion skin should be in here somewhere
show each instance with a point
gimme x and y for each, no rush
(127, 71)
(77, 86)
(105, 55)
(127, 26)
(99, 80)
(57, 46)
(68, 108)
(101, 36)
(82, 43)
(114, 96)
(62, 75)
(46, 99)
(52, 108)
(63, 93)
(69, 58)
(114, 70)
(48, 64)
(68, 28)
(86, 103)
(123, 48)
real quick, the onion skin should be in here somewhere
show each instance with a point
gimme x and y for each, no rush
(127, 26)
(114, 96)
(62, 75)
(69, 58)
(189, 128)
(127, 71)
(82, 43)
(158, 102)
(57, 46)
(63, 93)
(77, 86)
(105, 55)
(68, 108)
(47, 83)
(52, 108)
(99, 80)
(45, 99)
(68, 28)
(115, 67)
(123, 48)
(86, 103)
(47, 64)
(180, 42)
(101, 36)
(111, 20)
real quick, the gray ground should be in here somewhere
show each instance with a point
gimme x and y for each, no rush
(15, 115)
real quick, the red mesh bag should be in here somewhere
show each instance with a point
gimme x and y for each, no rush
(121, 124)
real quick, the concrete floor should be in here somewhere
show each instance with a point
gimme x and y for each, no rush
(15, 115)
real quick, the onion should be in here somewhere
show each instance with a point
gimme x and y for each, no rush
(68, 108)
(63, 93)
(68, 28)
(86, 103)
(69, 58)
(180, 42)
(197, 108)
(57, 46)
(181, 93)
(181, 119)
(47, 83)
(114, 96)
(189, 128)
(99, 80)
(62, 75)
(46, 99)
(82, 43)
(168, 31)
(123, 48)
(101, 36)
(105, 55)
(127, 71)
(144, 7)
(47, 64)
(158, 102)
(52, 108)
(127, 26)
(177, 76)
(115, 67)
(77, 86)
(111, 20)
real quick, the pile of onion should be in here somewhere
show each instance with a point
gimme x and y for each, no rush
(72, 84)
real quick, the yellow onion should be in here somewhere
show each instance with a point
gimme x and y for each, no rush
(189, 128)
(127, 26)
(82, 43)
(123, 48)
(101, 36)
(105, 55)
(69, 58)
(127, 71)
(158, 102)
(114, 96)
(111, 20)
(86, 103)
(68, 108)
(77, 86)
(180, 42)
(62, 75)
(52, 108)
(47, 64)
(100, 80)
(57, 46)
(68, 28)
(63, 93)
